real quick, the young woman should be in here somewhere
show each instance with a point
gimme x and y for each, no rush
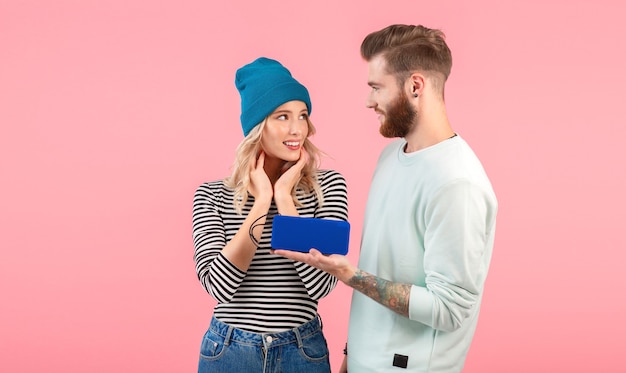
(266, 318)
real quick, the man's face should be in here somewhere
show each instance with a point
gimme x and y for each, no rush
(395, 113)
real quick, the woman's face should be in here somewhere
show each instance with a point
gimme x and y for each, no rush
(285, 131)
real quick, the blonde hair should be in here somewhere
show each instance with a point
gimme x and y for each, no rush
(247, 152)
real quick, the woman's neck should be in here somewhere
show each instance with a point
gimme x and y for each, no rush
(273, 168)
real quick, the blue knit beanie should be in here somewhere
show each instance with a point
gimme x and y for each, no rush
(264, 85)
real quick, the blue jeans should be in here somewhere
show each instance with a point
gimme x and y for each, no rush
(228, 349)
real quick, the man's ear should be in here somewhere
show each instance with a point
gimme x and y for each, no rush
(417, 84)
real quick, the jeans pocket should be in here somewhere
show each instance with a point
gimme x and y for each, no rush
(314, 347)
(212, 346)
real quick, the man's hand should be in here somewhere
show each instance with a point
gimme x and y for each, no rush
(336, 265)
(344, 365)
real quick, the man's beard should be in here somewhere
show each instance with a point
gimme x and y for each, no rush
(399, 118)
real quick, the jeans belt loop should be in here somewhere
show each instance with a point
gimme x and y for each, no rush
(228, 335)
(296, 331)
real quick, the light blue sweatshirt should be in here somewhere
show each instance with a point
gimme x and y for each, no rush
(429, 221)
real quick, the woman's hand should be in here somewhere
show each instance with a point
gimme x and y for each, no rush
(289, 178)
(260, 186)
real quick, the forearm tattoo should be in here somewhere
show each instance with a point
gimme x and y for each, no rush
(392, 295)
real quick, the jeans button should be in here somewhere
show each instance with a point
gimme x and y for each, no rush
(269, 339)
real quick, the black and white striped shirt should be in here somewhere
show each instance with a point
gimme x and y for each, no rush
(275, 293)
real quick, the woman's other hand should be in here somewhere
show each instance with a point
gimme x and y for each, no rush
(260, 186)
(286, 182)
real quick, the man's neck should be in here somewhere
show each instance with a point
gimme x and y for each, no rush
(428, 131)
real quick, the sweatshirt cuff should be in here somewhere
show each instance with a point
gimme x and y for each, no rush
(421, 305)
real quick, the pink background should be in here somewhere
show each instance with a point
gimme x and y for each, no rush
(112, 112)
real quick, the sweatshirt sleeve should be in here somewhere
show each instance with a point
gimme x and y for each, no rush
(459, 223)
(216, 273)
(333, 185)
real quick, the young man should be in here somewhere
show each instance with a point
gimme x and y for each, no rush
(429, 223)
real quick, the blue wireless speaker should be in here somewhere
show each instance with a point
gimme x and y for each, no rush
(302, 234)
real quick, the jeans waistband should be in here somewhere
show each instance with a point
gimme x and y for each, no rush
(230, 333)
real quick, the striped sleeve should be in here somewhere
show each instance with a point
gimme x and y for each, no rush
(218, 276)
(335, 206)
